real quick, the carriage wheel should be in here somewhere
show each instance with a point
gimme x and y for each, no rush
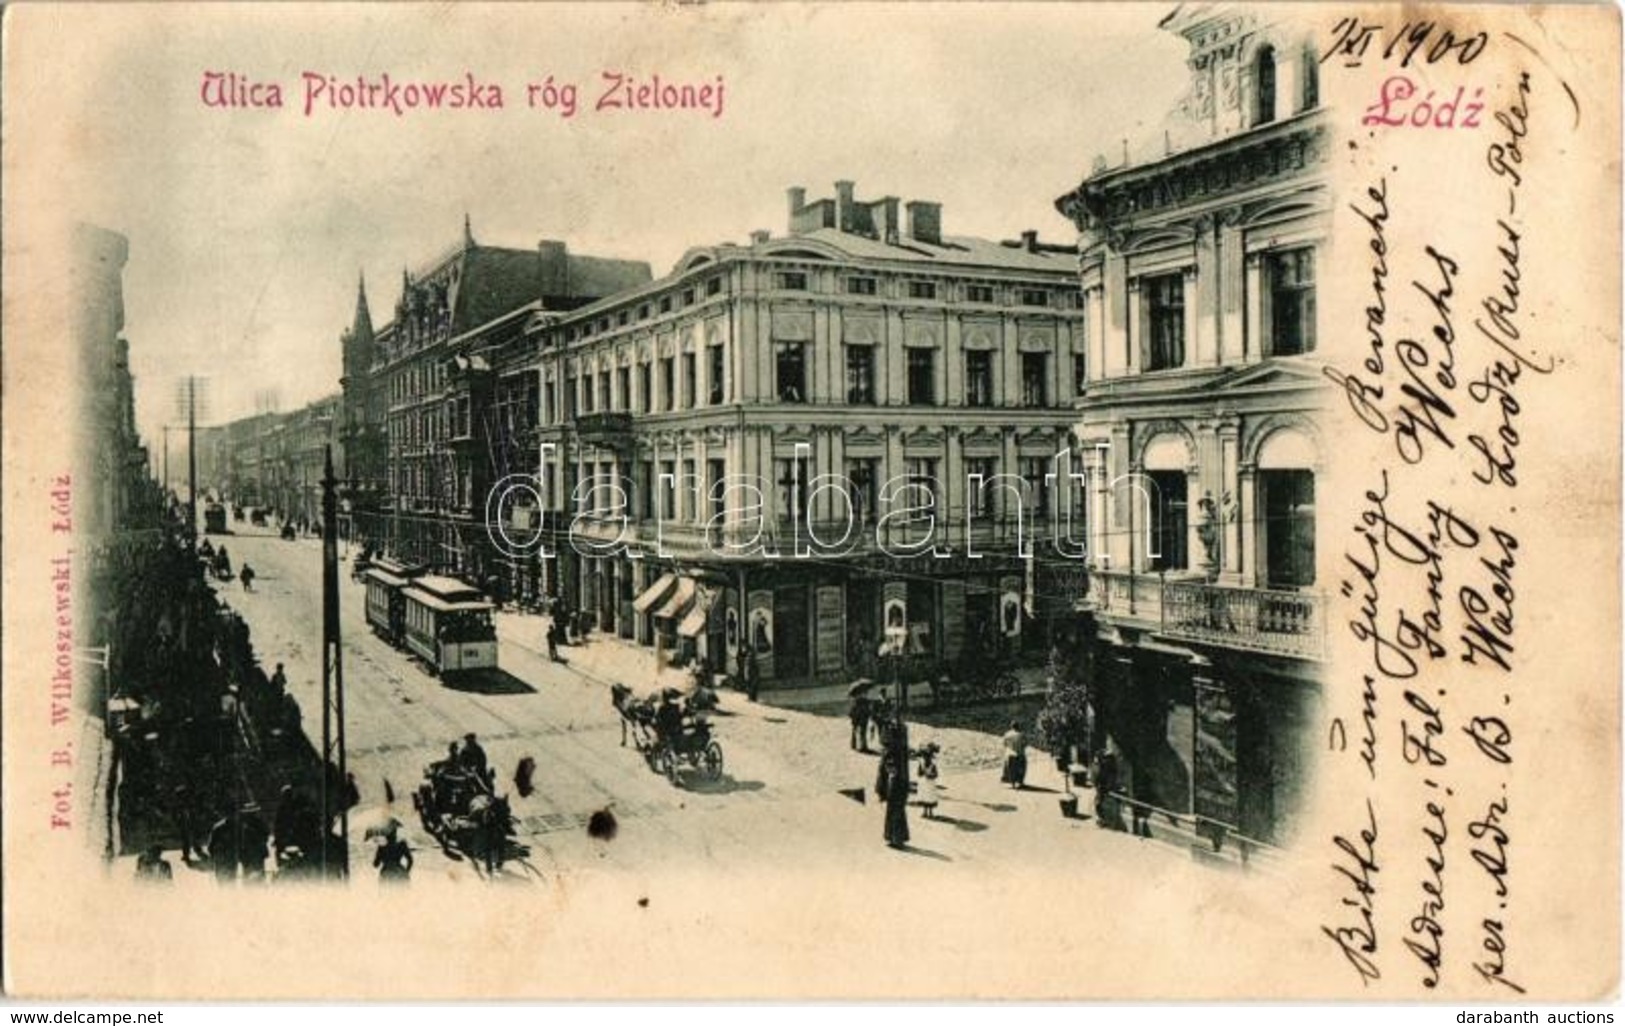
(713, 760)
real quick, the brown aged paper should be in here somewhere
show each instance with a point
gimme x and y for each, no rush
(103, 125)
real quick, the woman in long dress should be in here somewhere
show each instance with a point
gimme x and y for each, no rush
(897, 798)
(926, 789)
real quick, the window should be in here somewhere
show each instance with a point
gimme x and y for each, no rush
(791, 372)
(792, 476)
(715, 473)
(1034, 372)
(643, 312)
(688, 297)
(922, 377)
(668, 383)
(1080, 373)
(860, 286)
(1167, 527)
(646, 386)
(791, 281)
(623, 385)
(922, 290)
(1291, 311)
(979, 486)
(549, 403)
(979, 293)
(1165, 305)
(1289, 527)
(863, 474)
(665, 304)
(569, 398)
(978, 377)
(668, 489)
(1034, 471)
(860, 375)
(625, 318)
(716, 376)
(1310, 75)
(713, 286)
(690, 385)
(603, 390)
(1264, 80)
(920, 477)
(645, 500)
(587, 393)
(1034, 297)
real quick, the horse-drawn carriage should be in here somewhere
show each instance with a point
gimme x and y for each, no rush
(670, 735)
(463, 812)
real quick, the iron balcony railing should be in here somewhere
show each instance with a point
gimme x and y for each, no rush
(1287, 623)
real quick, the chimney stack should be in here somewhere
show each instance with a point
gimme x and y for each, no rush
(1029, 240)
(843, 205)
(760, 236)
(925, 222)
(889, 226)
(798, 199)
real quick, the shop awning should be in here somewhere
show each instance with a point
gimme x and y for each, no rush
(678, 601)
(654, 593)
(693, 624)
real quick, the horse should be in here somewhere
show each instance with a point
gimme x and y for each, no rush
(636, 713)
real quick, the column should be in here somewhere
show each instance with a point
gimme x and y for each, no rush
(1252, 342)
(1231, 289)
(1252, 529)
(1229, 500)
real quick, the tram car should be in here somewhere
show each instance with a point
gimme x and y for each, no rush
(386, 582)
(214, 519)
(448, 625)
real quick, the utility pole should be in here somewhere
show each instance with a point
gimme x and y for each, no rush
(333, 748)
(191, 454)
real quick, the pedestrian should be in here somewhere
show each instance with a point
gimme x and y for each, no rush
(185, 817)
(553, 640)
(926, 794)
(394, 860)
(753, 674)
(152, 867)
(247, 577)
(1015, 757)
(253, 840)
(860, 722)
(223, 848)
(896, 781)
(523, 777)
(279, 681)
(1108, 814)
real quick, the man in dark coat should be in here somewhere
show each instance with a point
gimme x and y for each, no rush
(860, 722)
(895, 780)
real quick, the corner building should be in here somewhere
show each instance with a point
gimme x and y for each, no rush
(865, 345)
(1199, 263)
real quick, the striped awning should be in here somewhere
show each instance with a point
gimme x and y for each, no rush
(654, 593)
(693, 624)
(677, 602)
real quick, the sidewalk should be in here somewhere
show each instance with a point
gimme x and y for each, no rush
(604, 658)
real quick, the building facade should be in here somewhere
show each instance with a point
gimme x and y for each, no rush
(772, 448)
(1198, 267)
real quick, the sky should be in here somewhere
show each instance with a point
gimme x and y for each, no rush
(248, 228)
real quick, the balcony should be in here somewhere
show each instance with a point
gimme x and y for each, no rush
(1286, 623)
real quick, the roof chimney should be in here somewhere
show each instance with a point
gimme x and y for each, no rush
(798, 199)
(924, 221)
(1029, 240)
(888, 225)
(843, 205)
(760, 236)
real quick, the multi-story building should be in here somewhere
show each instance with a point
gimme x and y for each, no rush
(1199, 263)
(713, 436)
(432, 381)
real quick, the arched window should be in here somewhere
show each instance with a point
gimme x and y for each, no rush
(1264, 81)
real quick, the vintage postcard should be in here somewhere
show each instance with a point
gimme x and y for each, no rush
(812, 500)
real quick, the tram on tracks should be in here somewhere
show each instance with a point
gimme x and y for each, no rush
(448, 625)
(386, 582)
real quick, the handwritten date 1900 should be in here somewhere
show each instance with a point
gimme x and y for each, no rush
(1420, 41)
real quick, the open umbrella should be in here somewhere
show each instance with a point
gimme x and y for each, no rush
(859, 686)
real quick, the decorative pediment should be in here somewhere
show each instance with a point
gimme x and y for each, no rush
(792, 325)
(689, 338)
(1271, 375)
(982, 441)
(862, 329)
(923, 438)
(714, 332)
(865, 440)
(922, 332)
(666, 344)
(1037, 339)
(980, 335)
